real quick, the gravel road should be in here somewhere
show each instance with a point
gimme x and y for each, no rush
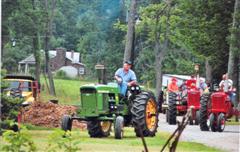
(228, 140)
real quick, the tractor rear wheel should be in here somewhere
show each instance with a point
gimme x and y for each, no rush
(98, 128)
(197, 117)
(167, 115)
(66, 124)
(172, 109)
(145, 114)
(221, 122)
(203, 112)
(118, 127)
(213, 124)
(191, 120)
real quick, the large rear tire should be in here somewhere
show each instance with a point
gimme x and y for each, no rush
(118, 127)
(172, 109)
(221, 122)
(145, 114)
(98, 128)
(203, 112)
(167, 115)
(197, 117)
(66, 124)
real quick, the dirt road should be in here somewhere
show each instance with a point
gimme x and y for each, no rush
(227, 140)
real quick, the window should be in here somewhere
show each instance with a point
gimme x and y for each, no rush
(81, 70)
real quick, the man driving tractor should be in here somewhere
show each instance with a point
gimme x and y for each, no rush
(125, 77)
(172, 86)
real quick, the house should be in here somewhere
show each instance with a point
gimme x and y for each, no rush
(59, 59)
(27, 62)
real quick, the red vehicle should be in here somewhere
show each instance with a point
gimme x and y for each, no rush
(178, 103)
(216, 107)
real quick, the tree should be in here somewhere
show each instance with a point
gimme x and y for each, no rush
(48, 32)
(234, 51)
(159, 21)
(204, 29)
(129, 47)
(35, 40)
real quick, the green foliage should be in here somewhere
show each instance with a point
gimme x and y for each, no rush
(18, 142)
(61, 75)
(10, 107)
(65, 141)
(4, 84)
(204, 28)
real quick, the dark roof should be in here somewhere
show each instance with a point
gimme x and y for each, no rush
(26, 77)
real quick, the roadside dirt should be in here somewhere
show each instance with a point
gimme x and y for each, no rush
(49, 115)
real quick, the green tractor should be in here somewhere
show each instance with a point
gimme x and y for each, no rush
(102, 106)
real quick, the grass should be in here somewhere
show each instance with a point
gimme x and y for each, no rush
(232, 121)
(67, 91)
(128, 144)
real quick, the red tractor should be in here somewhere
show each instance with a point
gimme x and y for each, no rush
(178, 103)
(216, 107)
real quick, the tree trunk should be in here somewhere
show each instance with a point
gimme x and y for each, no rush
(46, 43)
(160, 50)
(208, 68)
(129, 47)
(36, 53)
(233, 60)
(36, 50)
(234, 42)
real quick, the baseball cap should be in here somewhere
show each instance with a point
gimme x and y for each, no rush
(128, 62)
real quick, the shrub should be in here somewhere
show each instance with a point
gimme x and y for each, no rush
(65, 141)
(10, 107)
(61, 75)
(18, 141)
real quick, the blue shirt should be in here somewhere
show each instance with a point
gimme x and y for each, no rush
(126, 77)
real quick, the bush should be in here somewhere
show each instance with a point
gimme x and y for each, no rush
(10, 107)
(18, 142)
(65, 141)
(61, 75)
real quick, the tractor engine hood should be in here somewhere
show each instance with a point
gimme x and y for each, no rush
(101, 88)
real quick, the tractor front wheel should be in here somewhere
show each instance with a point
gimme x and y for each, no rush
(118, 127)
(98, 128)
(221, 122)
(145, 114)
(66, 124)
(203, 112)
(213, 125)
(172, 109)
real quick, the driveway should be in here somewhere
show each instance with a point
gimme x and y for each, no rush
(228, 140)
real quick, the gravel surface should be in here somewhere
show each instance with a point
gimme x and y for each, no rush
(228, 140)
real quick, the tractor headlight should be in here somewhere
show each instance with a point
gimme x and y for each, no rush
(137, 88)
(132, 88)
